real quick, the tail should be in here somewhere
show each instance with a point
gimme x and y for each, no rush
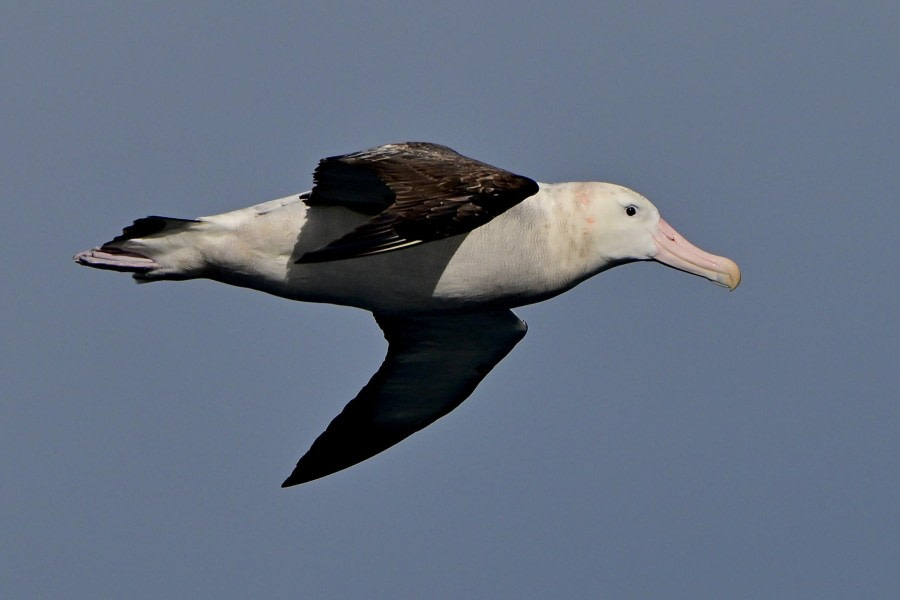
(142, 249)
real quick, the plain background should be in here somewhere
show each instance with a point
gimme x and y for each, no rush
(652, 437)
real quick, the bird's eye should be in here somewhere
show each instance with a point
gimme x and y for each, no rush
(631, 210)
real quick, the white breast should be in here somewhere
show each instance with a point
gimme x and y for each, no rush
(528, 253)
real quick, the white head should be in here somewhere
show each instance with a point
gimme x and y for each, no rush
(626, 227)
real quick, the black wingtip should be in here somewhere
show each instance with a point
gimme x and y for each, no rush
(290, 482)
(297, 477)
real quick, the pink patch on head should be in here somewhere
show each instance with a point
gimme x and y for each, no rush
(589, 220)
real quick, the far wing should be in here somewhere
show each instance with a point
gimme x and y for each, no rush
(433, 363)
(417, 192)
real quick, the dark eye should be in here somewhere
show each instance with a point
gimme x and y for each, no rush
(631, 210)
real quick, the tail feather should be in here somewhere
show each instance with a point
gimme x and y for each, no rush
(151, 225)
(143, 248)
(115, 260)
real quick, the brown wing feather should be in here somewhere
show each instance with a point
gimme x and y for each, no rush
(418, 192)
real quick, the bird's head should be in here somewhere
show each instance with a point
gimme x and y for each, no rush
(626, 227)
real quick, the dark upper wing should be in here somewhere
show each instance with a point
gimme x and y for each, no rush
(418, 192)
(433, 363)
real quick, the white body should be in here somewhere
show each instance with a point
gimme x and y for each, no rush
(537, 249)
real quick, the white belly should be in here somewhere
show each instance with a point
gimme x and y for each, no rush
(503, 263)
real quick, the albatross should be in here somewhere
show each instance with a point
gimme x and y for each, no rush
(438, 246)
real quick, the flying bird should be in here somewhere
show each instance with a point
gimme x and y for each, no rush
(438, 246)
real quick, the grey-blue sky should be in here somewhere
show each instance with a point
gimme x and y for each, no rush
(653, 436)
